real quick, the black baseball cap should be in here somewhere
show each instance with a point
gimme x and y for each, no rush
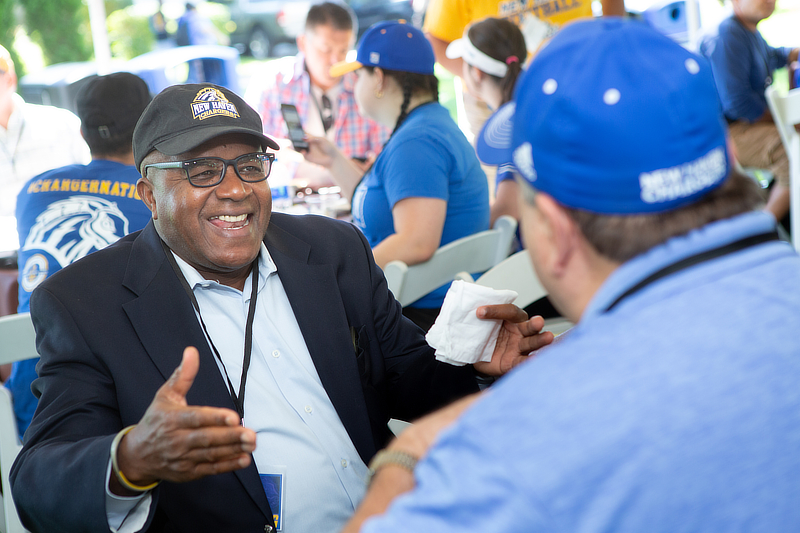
(110, 105)
(183, 117)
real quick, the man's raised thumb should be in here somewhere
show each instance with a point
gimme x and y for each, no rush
(181, 380)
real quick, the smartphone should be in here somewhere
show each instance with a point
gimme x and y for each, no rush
(296, 133)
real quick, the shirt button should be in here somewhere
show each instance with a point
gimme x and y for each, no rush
(276, 353)
(344, 463)
(308, 409)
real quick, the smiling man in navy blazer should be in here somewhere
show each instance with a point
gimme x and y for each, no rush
(223, 353)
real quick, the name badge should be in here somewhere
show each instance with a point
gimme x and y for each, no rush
(275, 488)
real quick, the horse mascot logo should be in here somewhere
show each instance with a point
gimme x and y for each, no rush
(69, 230)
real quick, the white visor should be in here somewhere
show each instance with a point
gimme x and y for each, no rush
(464, 48)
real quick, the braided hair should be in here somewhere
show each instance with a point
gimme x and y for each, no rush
(501, 39)
(411, 83)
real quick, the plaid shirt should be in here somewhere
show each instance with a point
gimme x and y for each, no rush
(287, 81)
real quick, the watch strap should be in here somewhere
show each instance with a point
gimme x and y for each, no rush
(391, 457)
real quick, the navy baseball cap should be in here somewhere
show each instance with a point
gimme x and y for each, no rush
(612, 117)
(111, 105)
(182, 117)
(391, 45)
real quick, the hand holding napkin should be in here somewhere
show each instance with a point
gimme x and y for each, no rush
(458, 335)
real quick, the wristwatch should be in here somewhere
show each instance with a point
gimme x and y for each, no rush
(391, 457)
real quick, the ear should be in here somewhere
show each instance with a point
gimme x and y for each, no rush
(380, 78)
(301, 42)
(10, 80)
(476, 74)
(560, 231)
(144, 188)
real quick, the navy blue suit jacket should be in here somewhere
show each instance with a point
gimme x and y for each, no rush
(112, 327)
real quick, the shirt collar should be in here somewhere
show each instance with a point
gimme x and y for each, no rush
(299, 72)
(266, 267)
(332, 93)
(696, 241)
(18, 101)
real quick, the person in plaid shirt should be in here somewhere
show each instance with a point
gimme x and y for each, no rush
(326, 105)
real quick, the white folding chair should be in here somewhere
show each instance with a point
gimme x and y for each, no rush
(474, 253)
(18, 343)
(785, 111)
(517, 274)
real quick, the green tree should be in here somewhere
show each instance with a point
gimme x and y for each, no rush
(129, 34)
(8, 26)
(60, 27)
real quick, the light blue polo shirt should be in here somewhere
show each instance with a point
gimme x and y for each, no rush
(678, 410)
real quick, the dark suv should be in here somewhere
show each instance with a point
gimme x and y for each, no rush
(262, 25)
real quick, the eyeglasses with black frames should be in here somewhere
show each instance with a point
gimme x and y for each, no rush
(209, 171)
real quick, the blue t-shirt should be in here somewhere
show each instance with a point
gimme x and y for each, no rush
(741, 61)
(428, 157)
(63, 215)
(678, 410)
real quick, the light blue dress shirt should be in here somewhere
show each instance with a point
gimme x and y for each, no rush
(298, 431)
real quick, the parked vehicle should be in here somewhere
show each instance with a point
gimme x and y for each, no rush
(260, 26)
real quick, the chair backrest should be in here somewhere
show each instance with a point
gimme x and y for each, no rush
(517, 274)
(18, 343)
(785, 111)
(474, 253)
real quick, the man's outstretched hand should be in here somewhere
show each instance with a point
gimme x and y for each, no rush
(518, 337)
(177, 442)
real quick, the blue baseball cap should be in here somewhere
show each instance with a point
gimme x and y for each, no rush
(612, 117)
(391, 45)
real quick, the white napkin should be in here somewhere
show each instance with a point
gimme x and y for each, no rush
(458, 335)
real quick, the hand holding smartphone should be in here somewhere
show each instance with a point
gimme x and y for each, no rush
(296, 133)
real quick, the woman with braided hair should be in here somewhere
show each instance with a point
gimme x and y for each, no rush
(426, 188)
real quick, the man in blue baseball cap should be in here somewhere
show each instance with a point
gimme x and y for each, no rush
(673, 404)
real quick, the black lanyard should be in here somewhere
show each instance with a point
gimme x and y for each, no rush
(692, 260)
(238, 399)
